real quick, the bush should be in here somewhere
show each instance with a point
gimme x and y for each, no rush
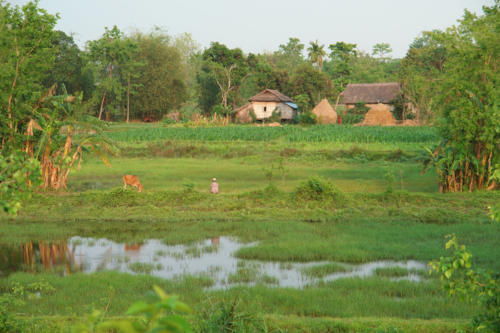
(316, 188)
(275, 117)
(359, 109)
(349, 119)
(305, 118)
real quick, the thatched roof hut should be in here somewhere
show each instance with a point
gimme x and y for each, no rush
(379, 115)
(325, 113)
(270, 95)
(265, 103)
(371, 93)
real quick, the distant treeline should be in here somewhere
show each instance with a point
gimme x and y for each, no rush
(146, 75)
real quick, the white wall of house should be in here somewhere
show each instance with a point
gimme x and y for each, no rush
(264, 110)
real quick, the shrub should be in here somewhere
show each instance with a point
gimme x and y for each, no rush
(316, 188)
(275, 116)
(305, 118)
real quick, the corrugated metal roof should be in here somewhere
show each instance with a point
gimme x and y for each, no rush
(292, 105)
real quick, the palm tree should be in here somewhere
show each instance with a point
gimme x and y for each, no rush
(316, 53)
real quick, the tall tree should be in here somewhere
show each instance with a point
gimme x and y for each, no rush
(227, 68)
(289, 55)
(68, 64)
(316, 54)
(420, 74)
(108, 53)
(161, 82)
(381, 51)
(308, 81)
(340, 65)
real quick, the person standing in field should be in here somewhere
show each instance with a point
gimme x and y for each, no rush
(214, 187)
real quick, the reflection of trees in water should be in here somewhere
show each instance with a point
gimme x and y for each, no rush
(36, 256)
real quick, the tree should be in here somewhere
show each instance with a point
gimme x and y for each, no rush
(67, 68)
(108, 53)
(161, 83)
(316, 85)
(227, 68)
(26, 55)
(367, 69)
(340, 66)
(467, 99)
(420, 74)
(316, 54)
(289, 55)
(382, 51)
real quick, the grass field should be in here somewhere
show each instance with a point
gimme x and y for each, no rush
(380, 208)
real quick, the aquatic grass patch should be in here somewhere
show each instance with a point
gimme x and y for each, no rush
(399, 272)
(323, 270)
(145, 268)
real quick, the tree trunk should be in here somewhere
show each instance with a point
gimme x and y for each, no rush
(102, 104)
(128, 99)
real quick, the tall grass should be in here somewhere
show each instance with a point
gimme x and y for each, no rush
(318, 133)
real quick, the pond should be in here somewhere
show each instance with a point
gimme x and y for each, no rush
(213, 258)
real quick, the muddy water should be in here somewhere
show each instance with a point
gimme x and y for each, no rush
(213, 258)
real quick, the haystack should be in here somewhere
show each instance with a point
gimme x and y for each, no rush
(325, 113)
(379, 115)
(243, 113)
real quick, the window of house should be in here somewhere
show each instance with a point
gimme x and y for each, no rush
(265, 108)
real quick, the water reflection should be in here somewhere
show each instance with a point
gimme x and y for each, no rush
(213, 258)
(38, 256)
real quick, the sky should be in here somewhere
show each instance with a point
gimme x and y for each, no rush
(262, 25)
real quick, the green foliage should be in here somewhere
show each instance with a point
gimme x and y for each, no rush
(275, 116)
(482, 287)
(225, 69)
(68, 65)
(161, 84)
(290, 54)
(159, 314)
(316, 188)
(19, 174)
(420, 74)
(390, 178)
(229, 317)
(467, 99)
(381, 50)
(340, 66)
(311, 82)
(316, 54)
(16, 295)
(359, 109)
(305, 118)
(111, 55)
(26, 55)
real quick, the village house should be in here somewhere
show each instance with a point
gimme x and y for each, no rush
(371, 93)
(265, 103)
